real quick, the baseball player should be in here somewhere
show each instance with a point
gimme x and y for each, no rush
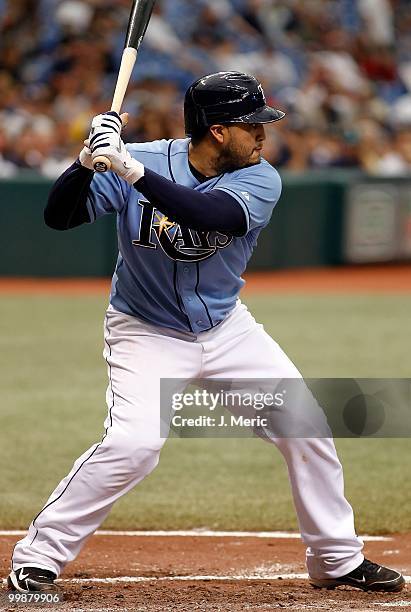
(189, 213)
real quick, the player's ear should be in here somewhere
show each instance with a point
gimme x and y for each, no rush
(219, 133)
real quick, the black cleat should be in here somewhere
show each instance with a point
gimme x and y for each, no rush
(368, 576)
(32, 580)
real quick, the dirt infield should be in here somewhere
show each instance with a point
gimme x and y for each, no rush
(361, 279)
(358, 279)
(227, 574)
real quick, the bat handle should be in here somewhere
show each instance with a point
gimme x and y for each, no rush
(101, 163)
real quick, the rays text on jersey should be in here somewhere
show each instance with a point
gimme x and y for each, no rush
(178, 243)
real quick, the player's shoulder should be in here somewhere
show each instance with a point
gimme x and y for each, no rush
(263, 170)
(160, 147)
(156, 147)
(262, 177)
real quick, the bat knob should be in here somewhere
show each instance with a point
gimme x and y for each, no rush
(101, 164)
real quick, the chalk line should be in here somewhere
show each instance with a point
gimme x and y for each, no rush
(187, 578)
(205, 533)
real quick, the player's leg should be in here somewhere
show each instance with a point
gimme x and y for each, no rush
(137, 357)
(240, 348)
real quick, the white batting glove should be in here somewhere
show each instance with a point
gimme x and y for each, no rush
(105, 140)
(85, 156)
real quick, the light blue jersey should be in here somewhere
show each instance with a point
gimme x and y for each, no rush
(169, 275)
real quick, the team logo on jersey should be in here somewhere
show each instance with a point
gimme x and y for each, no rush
(178, 243)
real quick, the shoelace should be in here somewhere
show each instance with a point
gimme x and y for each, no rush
(369, 566)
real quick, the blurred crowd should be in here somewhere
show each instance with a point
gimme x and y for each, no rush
(341, 69)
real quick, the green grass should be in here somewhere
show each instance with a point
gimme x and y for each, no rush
(53, 383)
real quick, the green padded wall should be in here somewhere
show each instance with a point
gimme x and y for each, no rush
(30, 248)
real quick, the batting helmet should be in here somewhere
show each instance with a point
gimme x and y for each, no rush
(226, 97)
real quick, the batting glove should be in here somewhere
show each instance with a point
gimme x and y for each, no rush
(105, 140)
(85, 156)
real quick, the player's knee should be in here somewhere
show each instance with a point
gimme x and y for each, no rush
(133, 453)
(145, 456)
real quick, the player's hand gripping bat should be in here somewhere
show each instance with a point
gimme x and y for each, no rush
(137, 27)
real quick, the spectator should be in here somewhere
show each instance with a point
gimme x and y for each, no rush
(341, 70)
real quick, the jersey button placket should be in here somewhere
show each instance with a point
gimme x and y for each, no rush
(188, 291)
(193, 306)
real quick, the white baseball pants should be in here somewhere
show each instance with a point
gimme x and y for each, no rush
(138, 356)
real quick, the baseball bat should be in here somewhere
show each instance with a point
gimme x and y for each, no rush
(137, 26)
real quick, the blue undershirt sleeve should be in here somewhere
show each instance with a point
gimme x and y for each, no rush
(81, 196)
(213, 211)
(67, 202)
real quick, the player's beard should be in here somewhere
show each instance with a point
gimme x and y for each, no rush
(234, 157)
